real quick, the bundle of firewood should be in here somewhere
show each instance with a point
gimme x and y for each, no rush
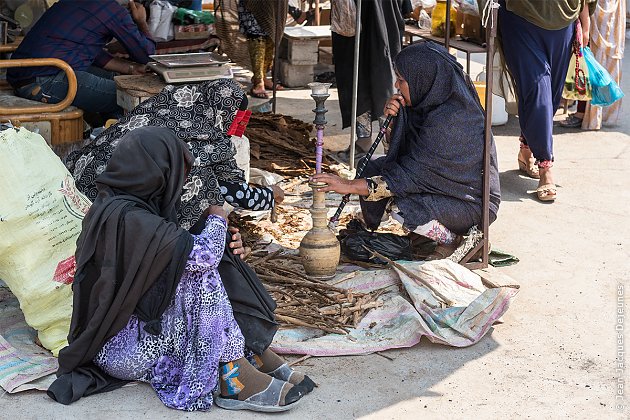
(281, 144)
(305, 302)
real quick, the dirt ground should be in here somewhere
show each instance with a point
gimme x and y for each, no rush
(554, 356)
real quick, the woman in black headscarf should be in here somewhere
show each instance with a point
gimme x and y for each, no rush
(433, 169)
(149, 304)
(205, 116)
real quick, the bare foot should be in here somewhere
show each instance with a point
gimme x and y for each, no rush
(258, 91)
(269, 85)
(546, 190)
(526, 154)
(527, 163)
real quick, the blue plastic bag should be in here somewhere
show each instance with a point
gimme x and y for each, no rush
(604, 89)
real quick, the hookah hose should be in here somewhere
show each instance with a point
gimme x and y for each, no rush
(346, 198)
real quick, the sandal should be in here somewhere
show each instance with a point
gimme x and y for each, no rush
(546, 192)
(343, 156)
(267, 401)
(259, 95)
(528, 167)
(269, 86)
(571, 122)
(284, 373)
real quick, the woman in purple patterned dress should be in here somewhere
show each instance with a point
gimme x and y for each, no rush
(149, 304)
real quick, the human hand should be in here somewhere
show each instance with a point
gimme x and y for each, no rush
(340, 185)
(393, 105)
(236, 244)
(138, 12)
(585, 37)
(278, 194)
(138, 69)
(217, 211)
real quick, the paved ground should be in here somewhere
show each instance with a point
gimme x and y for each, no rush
(555, 355)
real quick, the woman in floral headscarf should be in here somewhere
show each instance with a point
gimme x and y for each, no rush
(205, 116)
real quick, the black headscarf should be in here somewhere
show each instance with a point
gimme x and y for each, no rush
(437, 142)
(130, 254)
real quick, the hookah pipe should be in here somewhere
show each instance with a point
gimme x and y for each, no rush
(346, 198)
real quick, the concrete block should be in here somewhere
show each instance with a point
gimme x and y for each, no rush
(299, 51)
(293, 75)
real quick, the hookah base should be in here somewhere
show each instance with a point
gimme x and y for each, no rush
(320, 252)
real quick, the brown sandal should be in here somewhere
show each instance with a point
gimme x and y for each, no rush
(269, 85)
(546, 192)
(529, 167)
(259, 95)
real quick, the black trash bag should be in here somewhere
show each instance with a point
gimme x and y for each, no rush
(356, 238)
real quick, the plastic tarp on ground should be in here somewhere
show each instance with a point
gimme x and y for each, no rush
(471, 311)
(398, 323)
(23, 364)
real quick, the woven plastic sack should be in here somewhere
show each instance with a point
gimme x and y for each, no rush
(40, 219)
(605, 90)
(160, 18)
(578, 71)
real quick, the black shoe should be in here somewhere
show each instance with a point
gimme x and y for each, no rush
(344, 156)
(571, 122)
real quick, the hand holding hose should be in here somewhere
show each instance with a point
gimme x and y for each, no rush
(393, 105)
(340, 185)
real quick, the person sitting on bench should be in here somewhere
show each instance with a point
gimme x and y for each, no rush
(76, 31)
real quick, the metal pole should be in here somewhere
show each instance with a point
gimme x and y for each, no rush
(447, 25)
(276, 54)
(484, 245)
(490, 36)
(355, 86)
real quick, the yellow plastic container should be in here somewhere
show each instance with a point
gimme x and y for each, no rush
(438, 20)
(481, 91)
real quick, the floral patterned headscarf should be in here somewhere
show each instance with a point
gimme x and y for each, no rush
(199, 114)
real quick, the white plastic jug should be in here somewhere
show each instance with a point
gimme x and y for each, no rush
(499, 114)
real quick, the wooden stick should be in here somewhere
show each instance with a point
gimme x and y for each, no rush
(300, 360)
(315, 287)
(265, 258)
(343, 311)
(291, 320)
(413, 276)
(295, 182)
(382, 355)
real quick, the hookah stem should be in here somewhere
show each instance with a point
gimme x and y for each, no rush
(361, 167)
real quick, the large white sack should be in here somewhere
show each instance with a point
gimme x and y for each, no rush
(40, 219)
